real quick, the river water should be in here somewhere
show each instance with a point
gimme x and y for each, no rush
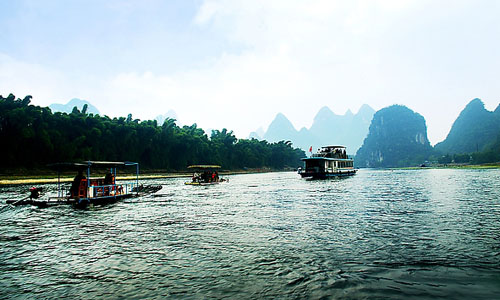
(382, 234)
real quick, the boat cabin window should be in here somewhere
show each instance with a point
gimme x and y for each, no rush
(315, 164)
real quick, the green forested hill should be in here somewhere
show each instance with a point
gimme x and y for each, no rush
(475, 130)
(397, 138)
(33, 136)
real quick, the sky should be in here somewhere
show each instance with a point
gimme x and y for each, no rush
(236, 64)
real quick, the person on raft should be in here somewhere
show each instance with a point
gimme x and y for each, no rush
(76, 183)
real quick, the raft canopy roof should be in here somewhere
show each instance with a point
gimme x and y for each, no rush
(204, 167)
(87, 164)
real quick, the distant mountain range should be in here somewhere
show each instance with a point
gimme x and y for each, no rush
(395, 136)
(328, 128)
(68, 107)
(398, 138)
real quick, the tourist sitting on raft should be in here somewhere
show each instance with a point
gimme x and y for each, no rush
(108, 179)
(206, 177)
(196, 177)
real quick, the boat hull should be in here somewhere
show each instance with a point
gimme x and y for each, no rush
(40, 202)
(326, 175)
(200, 183)
(85, 202)
(79, 203)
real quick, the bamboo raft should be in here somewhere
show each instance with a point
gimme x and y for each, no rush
(87, 190)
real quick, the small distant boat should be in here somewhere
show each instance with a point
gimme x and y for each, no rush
(329, 161)
(86, 190)
(205, 175)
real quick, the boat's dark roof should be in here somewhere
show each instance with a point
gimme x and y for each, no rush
(326, 158)
(110, 164)
(67, 166)
(333, 146)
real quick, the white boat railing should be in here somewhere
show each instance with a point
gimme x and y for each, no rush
(110, 190)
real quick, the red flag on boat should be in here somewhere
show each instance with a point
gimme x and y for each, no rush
(311, 149)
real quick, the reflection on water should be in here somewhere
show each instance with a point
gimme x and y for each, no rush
(380, 234)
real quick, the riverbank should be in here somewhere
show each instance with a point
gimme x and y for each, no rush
(44, 178)
(455, 166)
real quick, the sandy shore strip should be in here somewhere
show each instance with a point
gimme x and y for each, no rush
(70, 179)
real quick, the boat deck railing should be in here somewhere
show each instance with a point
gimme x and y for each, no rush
(110, 190)
(97, 191)
(331, 155)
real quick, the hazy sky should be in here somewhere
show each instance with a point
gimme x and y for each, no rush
(236, 64)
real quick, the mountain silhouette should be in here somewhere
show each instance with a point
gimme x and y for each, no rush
(280, 129)
(258, 134)
(171, 114)
(328, 128)
(473, 131)
(397, 138)
(68, 107)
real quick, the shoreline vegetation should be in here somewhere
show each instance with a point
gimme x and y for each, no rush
(45, 177)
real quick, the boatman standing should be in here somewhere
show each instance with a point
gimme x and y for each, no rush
(76, 183)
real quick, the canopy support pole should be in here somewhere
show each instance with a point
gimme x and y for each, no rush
(137, 179)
